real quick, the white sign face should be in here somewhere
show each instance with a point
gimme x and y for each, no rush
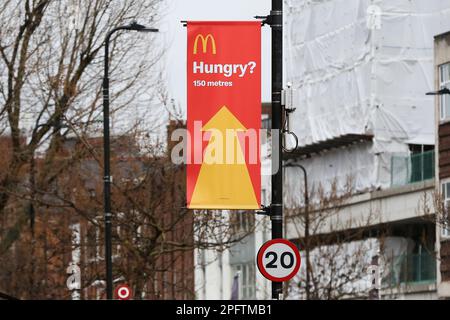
(278, 260)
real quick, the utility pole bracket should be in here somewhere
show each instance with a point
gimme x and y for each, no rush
(271, 19)
(264, 19)
(265, 211)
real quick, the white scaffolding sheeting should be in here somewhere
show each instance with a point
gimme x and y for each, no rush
(362, 67)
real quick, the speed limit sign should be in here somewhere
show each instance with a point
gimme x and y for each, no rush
(123, 292)
(278, 260)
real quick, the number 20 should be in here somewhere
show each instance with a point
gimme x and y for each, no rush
(272, 264)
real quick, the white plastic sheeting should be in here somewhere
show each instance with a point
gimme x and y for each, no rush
(332, 166)
(362, 67)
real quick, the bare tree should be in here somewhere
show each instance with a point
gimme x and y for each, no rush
(51, 84)
(432, 208)
(51, 67)
(50, 89)
(154, 235)
(336, 254)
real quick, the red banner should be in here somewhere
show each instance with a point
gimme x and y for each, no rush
(224, 115)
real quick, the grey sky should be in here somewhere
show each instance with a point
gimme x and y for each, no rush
(175, 36)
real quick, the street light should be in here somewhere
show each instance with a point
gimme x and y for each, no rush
(107, 156)
(439, 93)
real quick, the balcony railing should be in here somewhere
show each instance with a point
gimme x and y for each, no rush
(410, 269)
(411, 169)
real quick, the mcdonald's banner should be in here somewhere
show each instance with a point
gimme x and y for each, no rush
(224, 115)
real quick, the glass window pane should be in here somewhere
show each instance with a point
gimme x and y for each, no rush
(447, 194)
(447, 106)
(445, 73)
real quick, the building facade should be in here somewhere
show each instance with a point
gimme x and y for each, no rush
(442, 80)
(366, 128)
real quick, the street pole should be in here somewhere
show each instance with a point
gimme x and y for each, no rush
(276, 213)
(107, 179)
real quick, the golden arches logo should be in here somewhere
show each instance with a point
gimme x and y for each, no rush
(205, 41)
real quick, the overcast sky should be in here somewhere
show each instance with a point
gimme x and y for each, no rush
(175, 36)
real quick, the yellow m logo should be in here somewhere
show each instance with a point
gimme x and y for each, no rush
(205, 41)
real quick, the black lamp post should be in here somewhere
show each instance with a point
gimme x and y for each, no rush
(107, 156)
(276, 208)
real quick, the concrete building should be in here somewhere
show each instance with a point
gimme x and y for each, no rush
(361, 71)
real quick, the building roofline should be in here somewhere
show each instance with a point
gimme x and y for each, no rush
(319, 147)
(441, 35)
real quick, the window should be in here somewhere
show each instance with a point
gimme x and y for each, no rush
(415, 167)
(444, 81)
(420, 148)
(445, 226)
(421, 162)
(243, 222)
(247, 280)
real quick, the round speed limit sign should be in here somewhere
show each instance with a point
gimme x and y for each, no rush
(278, 260)
(123, 292)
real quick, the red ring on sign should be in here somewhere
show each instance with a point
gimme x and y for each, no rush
(260, 260)
(118, 292)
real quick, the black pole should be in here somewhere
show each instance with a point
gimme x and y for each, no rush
(107, 173)
(276, 23)
(107, 157)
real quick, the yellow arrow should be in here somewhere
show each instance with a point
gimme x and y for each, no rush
(224, 181)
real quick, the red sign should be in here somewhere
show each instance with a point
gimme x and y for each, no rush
(224, 115)
(278, 260)
(123, 292)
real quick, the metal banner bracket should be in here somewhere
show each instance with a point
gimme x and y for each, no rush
(264, 211)
(272, 20)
